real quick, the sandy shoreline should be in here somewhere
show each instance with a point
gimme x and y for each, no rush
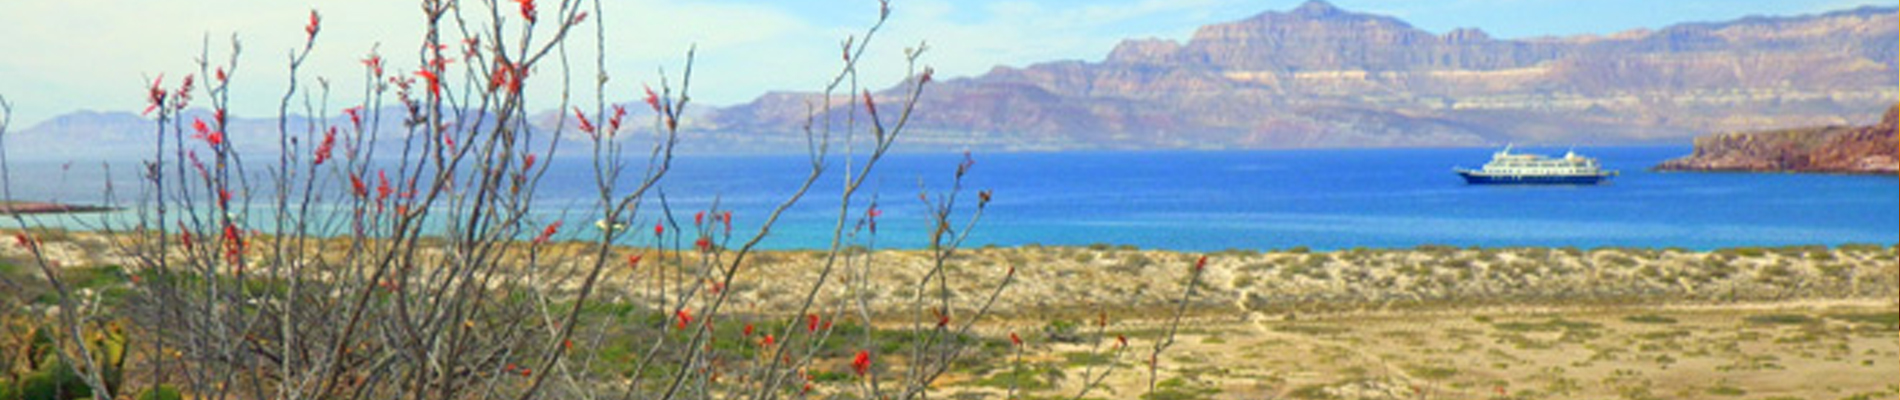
(1058, 282)
(1430, 322)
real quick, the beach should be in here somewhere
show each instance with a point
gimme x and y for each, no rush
(1426, 322)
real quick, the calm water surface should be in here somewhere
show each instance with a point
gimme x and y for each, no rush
(1200, 201)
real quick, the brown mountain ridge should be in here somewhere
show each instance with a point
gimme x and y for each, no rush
(1320, 76)
(1314, 76)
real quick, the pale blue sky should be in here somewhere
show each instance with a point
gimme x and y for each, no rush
(67, 55)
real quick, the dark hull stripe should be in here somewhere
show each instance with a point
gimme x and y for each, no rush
(1533, 179)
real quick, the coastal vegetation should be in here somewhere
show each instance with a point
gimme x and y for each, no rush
(336, 267)
(394, 246)
(1428, 322)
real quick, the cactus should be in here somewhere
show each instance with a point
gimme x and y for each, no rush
(55, 381)
(50, 378)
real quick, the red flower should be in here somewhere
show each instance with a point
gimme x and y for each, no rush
(768, 341)
(316, 23)
(184, 238)
(324, 149)
(1201, 264)
(861, 363)
(748, 330)
(699, 218)
(727, 218)
(434, 81)
(578, 18)
(220, 75)
(205, 133)
(503, 76)
(586, 126)
(374, 63)
(155, 96)
(683, 318)
(811, 322)
(1018, 340)
(233, 244)
(659, 229)
(382, 186)
(527, 9)
(704, 244)
(653, 99)
(184, 92)
(870, 105)
(25, 241)
(547, 232)
(926, 77)
(1121, 341)
(613, 123)
(633, 261)
(527, 162)
(356, 116)
(356, 183)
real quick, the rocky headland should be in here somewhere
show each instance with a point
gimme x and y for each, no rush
(1831, 149)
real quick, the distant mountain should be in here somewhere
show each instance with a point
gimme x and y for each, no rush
(1318, 76)
(1833, 149)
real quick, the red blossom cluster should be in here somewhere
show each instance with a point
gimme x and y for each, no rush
(547, 233)
(316, 24)
(325, 148)
(527, 9)
(861, 363)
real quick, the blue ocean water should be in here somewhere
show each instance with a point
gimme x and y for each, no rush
(1202, 201)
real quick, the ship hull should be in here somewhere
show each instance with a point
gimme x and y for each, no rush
(1484, 179)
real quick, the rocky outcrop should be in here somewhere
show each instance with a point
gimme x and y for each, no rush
(1835, 149)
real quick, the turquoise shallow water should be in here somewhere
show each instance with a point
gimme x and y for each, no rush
(1200, 201)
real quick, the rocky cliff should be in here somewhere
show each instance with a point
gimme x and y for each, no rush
(1834, 149)
(1320, 76)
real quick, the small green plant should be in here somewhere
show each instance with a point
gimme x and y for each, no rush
(1649, 319)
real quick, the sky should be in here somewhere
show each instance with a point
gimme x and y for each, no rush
(62, 56)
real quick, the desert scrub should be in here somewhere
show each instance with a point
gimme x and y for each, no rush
(1034, 376)
(1177, 388)
(1649, 319)
(1779, 319)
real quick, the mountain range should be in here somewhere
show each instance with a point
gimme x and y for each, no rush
(1320, 76)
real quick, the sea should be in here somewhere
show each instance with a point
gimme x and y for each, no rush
(1328, 199)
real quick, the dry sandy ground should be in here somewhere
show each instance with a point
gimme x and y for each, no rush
(1426, 323)
(1843, 350)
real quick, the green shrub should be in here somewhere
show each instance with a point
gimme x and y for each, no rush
(1779, 319)
(163, 392)
(54, 381)
(1649, 319)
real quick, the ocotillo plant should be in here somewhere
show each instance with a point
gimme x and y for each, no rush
(333, 268)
